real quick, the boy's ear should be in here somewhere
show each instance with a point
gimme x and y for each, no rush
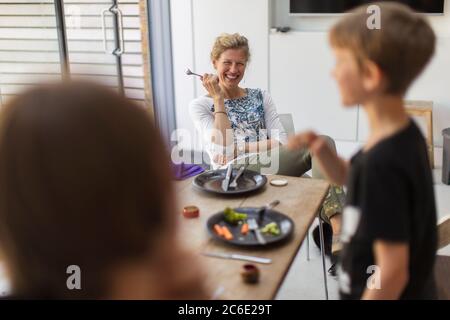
(372, 76)
(214, 64)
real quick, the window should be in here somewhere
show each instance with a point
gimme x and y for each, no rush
(30, 47)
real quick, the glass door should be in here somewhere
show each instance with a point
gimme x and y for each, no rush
(29, 49)
(42, 40)
(104, 43)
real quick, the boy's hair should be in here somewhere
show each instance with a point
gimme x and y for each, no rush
(401, 48)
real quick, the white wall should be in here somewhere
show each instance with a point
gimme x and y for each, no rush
(296, 66)
(432, 85)
(301, 84)
(195, 25)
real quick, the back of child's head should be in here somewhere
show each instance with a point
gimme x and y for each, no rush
(85, 180)
(401, 47)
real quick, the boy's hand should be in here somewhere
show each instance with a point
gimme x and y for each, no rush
(317, 145)
(334, 168)
(302, 140)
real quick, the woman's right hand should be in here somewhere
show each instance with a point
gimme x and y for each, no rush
(211, 84)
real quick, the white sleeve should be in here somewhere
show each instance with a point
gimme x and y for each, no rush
(275, 129)
(203, 118)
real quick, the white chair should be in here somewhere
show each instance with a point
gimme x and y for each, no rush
(287, 122)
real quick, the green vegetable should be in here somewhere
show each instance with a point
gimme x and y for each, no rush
(233, 217)
(271, 228)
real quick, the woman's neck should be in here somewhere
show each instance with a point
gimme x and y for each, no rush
(386, 117)
(233, 93)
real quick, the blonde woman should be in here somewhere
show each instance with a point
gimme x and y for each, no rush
(235, 121)
(230, 115)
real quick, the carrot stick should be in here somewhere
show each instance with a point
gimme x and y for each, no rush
(244, 229)
(218, 230)
(226, 233)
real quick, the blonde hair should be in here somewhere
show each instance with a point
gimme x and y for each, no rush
(229, 41)
(401, 48)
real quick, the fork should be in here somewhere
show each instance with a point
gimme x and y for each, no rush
(234, 183)
(253, 225)
(190, 73)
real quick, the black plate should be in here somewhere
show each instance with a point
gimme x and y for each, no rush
(285, 224)
(211, 181)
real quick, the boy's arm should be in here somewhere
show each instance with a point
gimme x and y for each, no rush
(392, 260)
(333, 167)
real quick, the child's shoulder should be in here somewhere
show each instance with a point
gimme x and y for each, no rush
(400, 149)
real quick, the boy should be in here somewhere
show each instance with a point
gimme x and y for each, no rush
(389, 222)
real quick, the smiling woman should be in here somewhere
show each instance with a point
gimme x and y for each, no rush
(234, 120)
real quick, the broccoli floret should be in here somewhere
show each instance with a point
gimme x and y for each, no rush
(233, 217)
(271, 228)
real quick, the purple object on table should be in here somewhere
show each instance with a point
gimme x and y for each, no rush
(183, 171)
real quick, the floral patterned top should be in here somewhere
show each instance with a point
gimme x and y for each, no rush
(246, 115)
(253, 118)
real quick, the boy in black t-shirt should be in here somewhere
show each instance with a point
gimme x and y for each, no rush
(389, 222)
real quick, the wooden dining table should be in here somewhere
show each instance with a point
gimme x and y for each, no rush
(300, 199)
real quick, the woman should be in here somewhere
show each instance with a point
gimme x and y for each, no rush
(236, 121)
(85, 187)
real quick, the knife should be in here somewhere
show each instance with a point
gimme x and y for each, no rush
(237, 257)
(226, 181)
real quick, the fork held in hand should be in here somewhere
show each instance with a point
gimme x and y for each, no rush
(190, 73)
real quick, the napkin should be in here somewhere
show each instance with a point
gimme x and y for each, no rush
(183, 171)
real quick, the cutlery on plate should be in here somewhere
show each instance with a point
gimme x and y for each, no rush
(233, 184)
(226, 181)
(253, 226)
(237, 257)
(269, 206)
(190, 73)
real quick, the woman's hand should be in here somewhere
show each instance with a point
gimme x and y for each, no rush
(222, 159)
(211, 84)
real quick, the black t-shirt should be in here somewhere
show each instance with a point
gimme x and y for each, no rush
(390, 197)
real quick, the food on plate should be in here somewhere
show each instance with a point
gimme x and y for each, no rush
(244, 229)
(218, 230)
(271, 228)
(226, 233)
(232, 216)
